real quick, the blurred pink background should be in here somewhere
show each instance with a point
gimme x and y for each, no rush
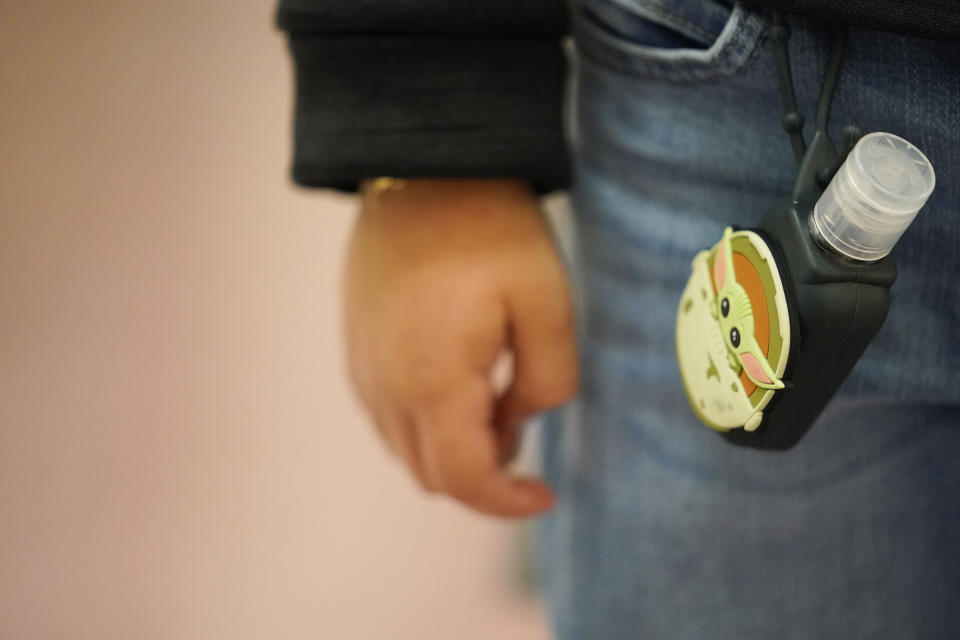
(180, 456)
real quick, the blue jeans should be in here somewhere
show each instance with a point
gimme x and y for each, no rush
(663, 530)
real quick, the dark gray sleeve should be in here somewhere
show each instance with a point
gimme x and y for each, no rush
(428, 88)
(925, 18)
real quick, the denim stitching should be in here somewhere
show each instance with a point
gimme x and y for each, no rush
(625, 57)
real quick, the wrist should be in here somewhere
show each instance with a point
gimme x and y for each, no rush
(512, 189)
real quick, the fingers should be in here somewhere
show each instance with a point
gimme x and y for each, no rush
(450, 429)
(405, 442)
(459, 453)
(546, 371)
(449, 444)
(394, 427)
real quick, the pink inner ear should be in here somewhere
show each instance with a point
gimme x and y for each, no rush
(719, 269)
(754, 370)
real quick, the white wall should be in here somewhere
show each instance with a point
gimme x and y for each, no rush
(179, 454)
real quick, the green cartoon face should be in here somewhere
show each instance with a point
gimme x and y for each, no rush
(734, 312)
(733, 332)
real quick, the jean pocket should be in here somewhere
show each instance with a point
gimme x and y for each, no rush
(670, 39)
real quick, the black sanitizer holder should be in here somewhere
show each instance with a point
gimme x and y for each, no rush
(773, 318)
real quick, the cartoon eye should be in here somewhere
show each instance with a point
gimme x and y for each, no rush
(725, 307)
(734, 337)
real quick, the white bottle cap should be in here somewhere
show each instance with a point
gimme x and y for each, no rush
(874, 197)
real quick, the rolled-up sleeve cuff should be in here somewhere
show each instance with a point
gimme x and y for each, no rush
(424, 106)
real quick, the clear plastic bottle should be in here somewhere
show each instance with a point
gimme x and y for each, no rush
(873, 198)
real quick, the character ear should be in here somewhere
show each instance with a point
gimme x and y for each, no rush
(758, 370)
(723, 261)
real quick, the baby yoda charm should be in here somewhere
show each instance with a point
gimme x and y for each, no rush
(734, 311)
(733, 332)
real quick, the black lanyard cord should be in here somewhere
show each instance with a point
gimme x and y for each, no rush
(792, 120)
(838, 44)
(820, 160)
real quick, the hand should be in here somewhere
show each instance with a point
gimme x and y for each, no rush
(441, 277)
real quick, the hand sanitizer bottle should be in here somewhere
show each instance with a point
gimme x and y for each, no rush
(774, 318)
